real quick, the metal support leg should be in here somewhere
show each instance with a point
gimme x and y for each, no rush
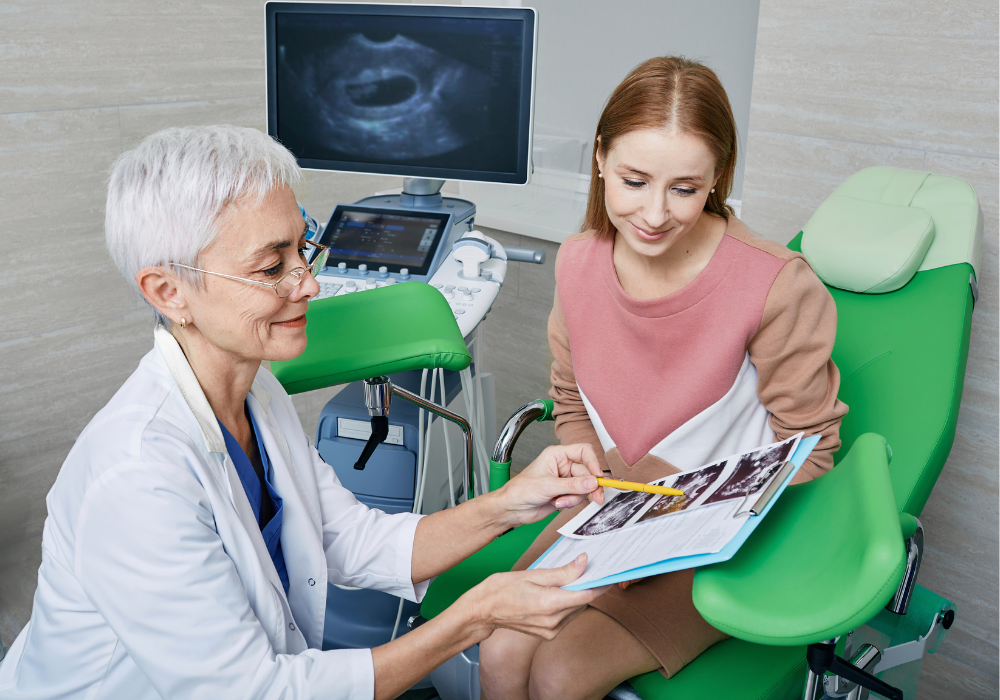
(900, 602)
(813, 684)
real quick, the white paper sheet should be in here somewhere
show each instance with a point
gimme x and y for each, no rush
(628, 531)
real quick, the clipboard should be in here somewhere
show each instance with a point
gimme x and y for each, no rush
(758, 511)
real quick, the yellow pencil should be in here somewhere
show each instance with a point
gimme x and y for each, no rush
(634, 486)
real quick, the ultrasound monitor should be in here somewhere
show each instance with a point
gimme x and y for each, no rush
(437, 92)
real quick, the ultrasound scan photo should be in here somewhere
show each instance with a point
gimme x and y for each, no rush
(396, 99)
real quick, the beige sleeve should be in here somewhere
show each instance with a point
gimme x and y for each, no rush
(797, 381)
(573, 424)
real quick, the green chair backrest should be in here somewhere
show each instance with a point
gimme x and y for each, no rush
(357, 336)
(902, 354)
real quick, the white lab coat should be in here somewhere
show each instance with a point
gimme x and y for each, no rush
(155, 580)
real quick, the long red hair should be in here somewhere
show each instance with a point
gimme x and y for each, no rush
(662, 93)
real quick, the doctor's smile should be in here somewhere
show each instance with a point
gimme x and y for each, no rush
(297, 322)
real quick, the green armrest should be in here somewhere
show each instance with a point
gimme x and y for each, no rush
(382, 331)
(826, 559)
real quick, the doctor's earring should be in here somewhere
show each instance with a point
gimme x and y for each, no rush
(183, 323)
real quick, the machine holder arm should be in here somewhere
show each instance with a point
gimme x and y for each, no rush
(448, 415)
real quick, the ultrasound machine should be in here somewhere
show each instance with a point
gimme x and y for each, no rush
(429, 93)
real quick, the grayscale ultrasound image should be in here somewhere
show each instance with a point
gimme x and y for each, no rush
(751, 470)
(395, 99)
(374, 90)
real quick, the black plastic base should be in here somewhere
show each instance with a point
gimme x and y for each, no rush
(380, 431)
(821, 658)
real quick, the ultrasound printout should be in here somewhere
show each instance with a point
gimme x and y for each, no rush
(417, 91)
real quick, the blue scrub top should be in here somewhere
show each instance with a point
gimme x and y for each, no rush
(271, 530)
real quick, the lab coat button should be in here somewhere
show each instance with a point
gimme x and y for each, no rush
(312, 582)
(291, 626)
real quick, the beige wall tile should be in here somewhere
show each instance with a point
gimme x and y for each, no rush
(788, 176)
(139, 121)
(59, 55)
(19, 562)
(51, 385)
(58, 272)
(910, 74)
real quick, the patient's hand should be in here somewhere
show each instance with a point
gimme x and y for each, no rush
(563, 476)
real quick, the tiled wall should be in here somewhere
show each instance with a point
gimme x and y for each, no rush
(840, 86)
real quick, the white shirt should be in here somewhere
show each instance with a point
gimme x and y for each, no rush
(155, 580)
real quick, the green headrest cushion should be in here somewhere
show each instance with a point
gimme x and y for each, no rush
(865, 246)
(869, 236)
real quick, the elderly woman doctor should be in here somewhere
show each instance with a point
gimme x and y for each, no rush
(192, 528)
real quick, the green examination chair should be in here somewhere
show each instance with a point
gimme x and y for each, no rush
(827, 583)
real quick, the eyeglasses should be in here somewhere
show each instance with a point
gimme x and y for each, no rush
(289, 282)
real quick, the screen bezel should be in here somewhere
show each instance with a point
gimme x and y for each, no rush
(432, 254)
(529, 20)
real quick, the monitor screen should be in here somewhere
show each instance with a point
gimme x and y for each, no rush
(419, 91)
(384, 237)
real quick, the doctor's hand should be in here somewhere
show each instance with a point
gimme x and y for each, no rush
(531, 602)
(562, 477)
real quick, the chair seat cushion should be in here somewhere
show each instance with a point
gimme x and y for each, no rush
(866, 247)
(734, 670)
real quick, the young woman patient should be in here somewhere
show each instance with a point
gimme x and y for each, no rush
(679, 337)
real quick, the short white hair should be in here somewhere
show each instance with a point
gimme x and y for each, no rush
(166, 195)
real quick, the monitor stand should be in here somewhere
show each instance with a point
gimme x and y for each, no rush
(421, 193)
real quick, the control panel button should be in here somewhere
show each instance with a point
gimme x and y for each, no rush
(342, 267)
(437, 286)
(467, 295)
(448, 294)
(404, 273)
(476, 290)
(363, 269)
(463, 289)
(449, 288)
(371, 284)
(459, 312)
(383, 271)
(351, 285)
(390, 281)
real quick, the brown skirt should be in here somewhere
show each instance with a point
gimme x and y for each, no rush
(658, 610)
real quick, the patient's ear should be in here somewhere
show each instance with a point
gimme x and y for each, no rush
(161, 290)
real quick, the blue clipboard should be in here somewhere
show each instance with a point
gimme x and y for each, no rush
(806, 446)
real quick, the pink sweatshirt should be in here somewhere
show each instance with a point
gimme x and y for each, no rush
(737, 358)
